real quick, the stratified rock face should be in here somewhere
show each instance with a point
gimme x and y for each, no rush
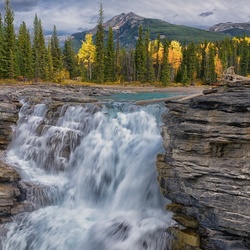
(206, 168)
(10, 192)
(10, 203)
(8, 118)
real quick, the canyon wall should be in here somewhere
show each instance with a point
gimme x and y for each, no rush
(10, 193)
(205, 170)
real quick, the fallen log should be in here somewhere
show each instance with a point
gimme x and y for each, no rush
(145, 102)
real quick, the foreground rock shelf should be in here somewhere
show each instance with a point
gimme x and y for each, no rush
(205, 170)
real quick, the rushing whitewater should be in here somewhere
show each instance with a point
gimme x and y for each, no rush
(90, 172)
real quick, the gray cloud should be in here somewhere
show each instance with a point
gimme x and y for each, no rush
(20, 5)
(69, 15)
(205, 14)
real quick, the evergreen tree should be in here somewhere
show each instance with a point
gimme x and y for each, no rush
(49, 66)
(165, 72)
(9, 42)
(56, 51)
(185, 77)
(100, 50)
(210, 75)
(203, 60)
(24, 51)
(191, 62)
(158, 64)
(109, 68)
(2, 48)
(140, 57)
(117, 60)
(39, 50)
(225, 53)
(70, 62)
(244, 58)
(127, 65)
(150, 76)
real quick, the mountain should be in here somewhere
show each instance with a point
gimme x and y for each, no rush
(233, 29)
(126, 26)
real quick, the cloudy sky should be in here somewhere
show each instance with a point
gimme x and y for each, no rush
(71, 16)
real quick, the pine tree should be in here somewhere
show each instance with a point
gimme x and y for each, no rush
(70, 62)
(191, 62)
(165, 72)
(39, 50)
(9, 42)
(2, 48)
(118, 68)
(244, 58)
(158, 63)
(203, 49)
(210, 75)
(127, 59)
(56, 51)
(24, 51)
(140, 57)
(49, 66)
(109, 68)
(150, 76)
(100, 50)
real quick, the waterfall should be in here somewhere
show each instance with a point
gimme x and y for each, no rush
(90, 170)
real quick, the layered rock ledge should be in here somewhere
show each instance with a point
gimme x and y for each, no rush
(205, 170)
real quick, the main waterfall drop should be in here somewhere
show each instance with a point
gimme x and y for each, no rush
(90, 172)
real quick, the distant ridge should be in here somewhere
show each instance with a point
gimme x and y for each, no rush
(126, 26)
(233, 29)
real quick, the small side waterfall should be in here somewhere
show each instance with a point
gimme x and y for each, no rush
(90, 171)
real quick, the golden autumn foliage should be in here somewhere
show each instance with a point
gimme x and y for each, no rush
(247, 39)
(156, 49)
(86, 53)
(218, 66)
(175, 55)
(239, 40)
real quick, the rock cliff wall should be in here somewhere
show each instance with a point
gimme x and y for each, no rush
(205, 170)
(10, 202)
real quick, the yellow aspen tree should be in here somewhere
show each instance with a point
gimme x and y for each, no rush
(174, 57)
(247, 39)
(86, 54)
(157, 53)
(218, 67)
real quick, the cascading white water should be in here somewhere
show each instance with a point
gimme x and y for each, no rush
(95, 170)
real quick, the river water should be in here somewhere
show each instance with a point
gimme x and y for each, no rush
(91, 173)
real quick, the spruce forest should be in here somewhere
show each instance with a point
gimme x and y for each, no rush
(26, 55)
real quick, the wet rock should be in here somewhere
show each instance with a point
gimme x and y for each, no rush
(8, 174)
(8, 190)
